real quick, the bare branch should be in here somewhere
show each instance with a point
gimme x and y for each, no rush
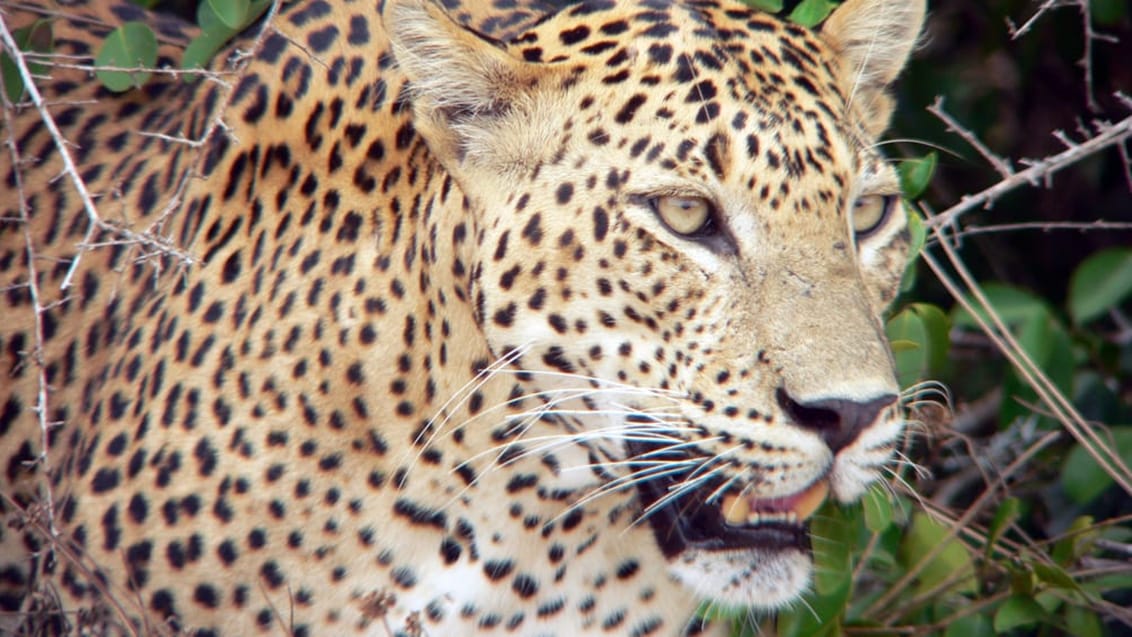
(1039, 170)
(69, 168)
(1091, 35)
(1001, 165)
(1047, 226)
(41, 400)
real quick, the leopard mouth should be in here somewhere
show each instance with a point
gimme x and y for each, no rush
(732, 523)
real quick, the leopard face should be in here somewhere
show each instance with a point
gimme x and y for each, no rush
(560, 324)
(691, 277)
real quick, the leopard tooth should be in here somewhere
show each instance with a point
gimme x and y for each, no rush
(736, 509)
(812, 500)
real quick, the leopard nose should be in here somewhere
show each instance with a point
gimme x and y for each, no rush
(838, 421)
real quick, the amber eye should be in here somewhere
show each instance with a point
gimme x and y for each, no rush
(684, 215)
(870, 212)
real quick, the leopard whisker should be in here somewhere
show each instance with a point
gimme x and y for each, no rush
(464, 393)
(621, 483)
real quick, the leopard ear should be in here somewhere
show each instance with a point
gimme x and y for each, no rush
(872, 40)
(459, 81)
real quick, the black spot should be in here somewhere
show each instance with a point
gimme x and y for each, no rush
(138, 508)
(271, 574)
(206, 456)
(575, 35)
(660, 31)
(450, 550)
(105, 479)
(359, 30)
(533, 230)
(613, 620)
(232, 267)
(564, 193)
(524, 586)
(558, 323)
(419, 515)
(505, 317)
(629, 109)
(598, 137)
(716, 150)
(601, 223)
(572, 519)
(555, 357)
(498, 569)
(552, 607)
(660, 53)
(521, 481)
(322, 39)
(627, 569)
(206, 595)
(701, 91)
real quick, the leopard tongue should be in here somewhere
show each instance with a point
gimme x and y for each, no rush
(740, 510)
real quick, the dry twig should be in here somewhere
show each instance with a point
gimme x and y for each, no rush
(1091, 35)
(1037, 171)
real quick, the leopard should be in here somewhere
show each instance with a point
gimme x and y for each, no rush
(408, 317)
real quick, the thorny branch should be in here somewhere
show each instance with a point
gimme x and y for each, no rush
(69, 167)
(36, 355)
(1001, 165)
(42, 513)
(1038, 171)
(1086, 61)
(1047, 226)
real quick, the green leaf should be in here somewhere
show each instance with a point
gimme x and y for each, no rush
(36, 37)
(1083, 622)
(919, 338)
(817, 616)
(1016, 612)
(256, 9)
(772, 6)
(834, 534)
(922, 537)
(809, 13)
(1108, 12)
(1013, 305)
(918, 233)
(217, 28)
(1006, 514)
(834, 530)
(212, 24)
(908, 337)
(977, 625)
(231, 13)
(1055, 576)
(1082, 478)
(200, 51)
(1100, 283)
(1076, 541)
(878, 509)
(131, 45)
(1047, 342)
(916, 174)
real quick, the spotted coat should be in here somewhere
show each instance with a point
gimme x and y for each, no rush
(446, 320)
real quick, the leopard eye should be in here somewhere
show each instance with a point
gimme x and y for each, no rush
(870, 212)
(688, 216)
